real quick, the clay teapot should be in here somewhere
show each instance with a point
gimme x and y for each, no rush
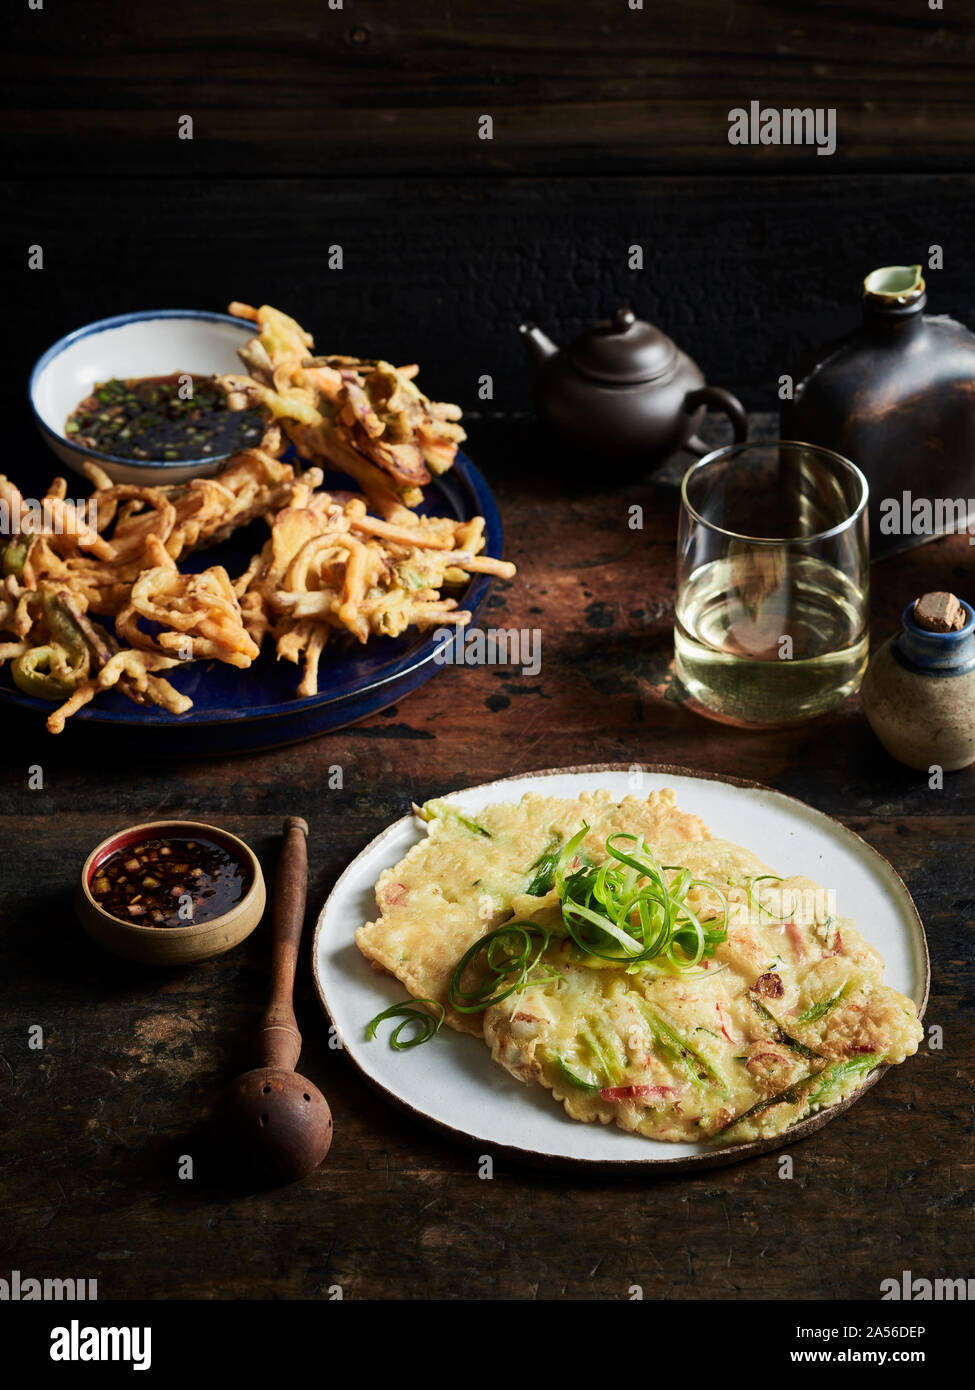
(623, 392)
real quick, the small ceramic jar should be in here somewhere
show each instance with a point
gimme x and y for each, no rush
(919, 690)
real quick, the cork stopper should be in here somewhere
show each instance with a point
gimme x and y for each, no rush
(939, 612)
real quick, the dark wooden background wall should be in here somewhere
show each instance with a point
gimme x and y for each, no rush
(357, 126)
(395, 86)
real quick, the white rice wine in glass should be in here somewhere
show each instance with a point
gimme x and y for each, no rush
(772, 583)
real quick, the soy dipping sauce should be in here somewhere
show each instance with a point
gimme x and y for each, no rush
(164, 418)
(173, 882)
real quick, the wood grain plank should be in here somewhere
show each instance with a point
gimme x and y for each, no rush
(589, 137)
(376, 86)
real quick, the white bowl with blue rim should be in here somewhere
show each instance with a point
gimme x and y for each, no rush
(156, 342)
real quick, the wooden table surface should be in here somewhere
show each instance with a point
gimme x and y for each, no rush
(97, 1120)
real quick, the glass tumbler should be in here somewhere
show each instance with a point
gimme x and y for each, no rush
(772, 583)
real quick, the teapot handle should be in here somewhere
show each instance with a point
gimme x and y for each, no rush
(721, 400)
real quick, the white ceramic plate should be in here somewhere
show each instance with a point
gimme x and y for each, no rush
(452, 1082)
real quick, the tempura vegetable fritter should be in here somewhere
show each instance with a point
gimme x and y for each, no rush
(361, 415)
(91, 594)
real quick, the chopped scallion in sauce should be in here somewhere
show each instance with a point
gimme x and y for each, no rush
(163, 418)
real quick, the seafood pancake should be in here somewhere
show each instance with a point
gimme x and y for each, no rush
(646, 974)
(789, 1015)
(460, 881)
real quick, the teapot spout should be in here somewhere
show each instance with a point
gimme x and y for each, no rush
(539, 344)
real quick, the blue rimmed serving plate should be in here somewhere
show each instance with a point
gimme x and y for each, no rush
(237, 711)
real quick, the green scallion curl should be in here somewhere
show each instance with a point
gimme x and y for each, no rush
(510, 952)
(428, 1024)
(626, 912)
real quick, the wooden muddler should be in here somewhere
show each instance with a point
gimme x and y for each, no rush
(275, 1119)
(278, 1039)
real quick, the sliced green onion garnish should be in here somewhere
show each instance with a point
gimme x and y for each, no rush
(790, 1096)
(778, 1032)
(602, 1043)
(839, 1072)
(694, 1066)
(429, 1024)
(573, 1079)
(544, 870)
(430, 810)
(752, 900)
(626, 912)
(527, 943)
(823, 1006)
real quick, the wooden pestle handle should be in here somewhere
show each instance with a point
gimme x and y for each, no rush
(279, 1042)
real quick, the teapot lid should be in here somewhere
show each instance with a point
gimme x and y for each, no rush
(623, 350)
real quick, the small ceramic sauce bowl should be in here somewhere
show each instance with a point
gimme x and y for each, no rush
(171, 945)
(153, 343)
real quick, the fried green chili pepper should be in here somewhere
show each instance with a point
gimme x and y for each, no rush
(63, 629)
(15, 555)
(33, 674)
